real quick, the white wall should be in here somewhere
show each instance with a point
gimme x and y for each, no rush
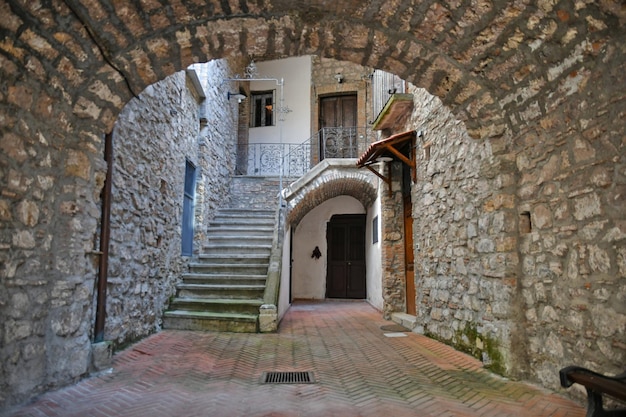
(309, 274)
(296, 73)
(373, 256)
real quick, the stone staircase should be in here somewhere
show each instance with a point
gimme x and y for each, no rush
(224, 287)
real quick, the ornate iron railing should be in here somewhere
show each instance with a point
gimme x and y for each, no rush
(267, 159)
(264, 159)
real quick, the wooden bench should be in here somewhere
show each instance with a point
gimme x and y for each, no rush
(597, 385)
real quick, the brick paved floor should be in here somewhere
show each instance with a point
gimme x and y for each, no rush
(358, 371)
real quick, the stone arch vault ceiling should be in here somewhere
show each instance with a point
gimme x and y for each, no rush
(488, 60)
(541, 80)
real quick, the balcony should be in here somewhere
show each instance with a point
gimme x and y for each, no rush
(294, 160)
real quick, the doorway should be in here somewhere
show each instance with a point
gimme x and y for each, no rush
(338, 126)
(345, 276)
(188, 209)
(409, 257)
(409, 254)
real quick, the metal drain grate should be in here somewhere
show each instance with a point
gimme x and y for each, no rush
(287, 378)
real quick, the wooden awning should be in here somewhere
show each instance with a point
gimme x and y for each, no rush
(389, 148)
(397, 107)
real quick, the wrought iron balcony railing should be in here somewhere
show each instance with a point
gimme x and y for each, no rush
(268, 159)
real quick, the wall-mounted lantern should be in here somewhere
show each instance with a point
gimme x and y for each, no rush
(239, 96)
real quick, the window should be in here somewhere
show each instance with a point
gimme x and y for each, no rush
(262, 108)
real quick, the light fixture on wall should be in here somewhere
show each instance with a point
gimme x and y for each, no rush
(384, 159)
(239, 96)
(339, 78)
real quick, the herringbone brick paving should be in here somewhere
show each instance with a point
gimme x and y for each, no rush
(358, 370)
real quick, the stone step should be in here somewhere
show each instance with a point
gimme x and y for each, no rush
(224, 287)
(231, 268)
(407, 320)
(217, 305)
(236, 248)
(224, 279)
(241, 240)
(244, 213)
(232, 258)
(210, 321)
(247, 212)
(221, 218)
(228, 222)
(219, 291)
(242, 231)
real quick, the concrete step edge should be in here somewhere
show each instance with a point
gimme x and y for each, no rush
(208, 264)
(211, 315)
(216, 301)
(219, 287)
(223, 276)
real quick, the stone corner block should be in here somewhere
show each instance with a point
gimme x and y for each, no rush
(268, 318)
(101, 355)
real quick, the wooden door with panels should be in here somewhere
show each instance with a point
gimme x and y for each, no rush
(409, 258)
(409, 254)
(345, 277)
(338, 126)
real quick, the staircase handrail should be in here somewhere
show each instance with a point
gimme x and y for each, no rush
(268, 312)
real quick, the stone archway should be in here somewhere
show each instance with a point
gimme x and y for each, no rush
(536, 80)
(98, 55)
(110, 53)
(331, 178)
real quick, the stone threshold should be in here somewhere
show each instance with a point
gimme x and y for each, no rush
(404, 319)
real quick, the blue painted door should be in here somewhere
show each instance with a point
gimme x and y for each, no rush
(188, 209)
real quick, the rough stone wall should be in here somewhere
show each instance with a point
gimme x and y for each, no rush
(392, 242)
(520, 248)
(48, 316)
(153, 138)
(257, 193)
(243, 132)
(464, 236)
(51, 174)
(573, 268)
(217, 152)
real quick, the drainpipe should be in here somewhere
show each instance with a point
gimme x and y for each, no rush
(105, 232)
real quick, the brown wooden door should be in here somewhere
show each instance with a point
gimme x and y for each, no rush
(338, 122)
(409, 257)
(345, 276)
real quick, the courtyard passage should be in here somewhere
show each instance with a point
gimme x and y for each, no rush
(359, 369)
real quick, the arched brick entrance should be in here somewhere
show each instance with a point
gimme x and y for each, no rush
(485, 61)
(331, 178)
